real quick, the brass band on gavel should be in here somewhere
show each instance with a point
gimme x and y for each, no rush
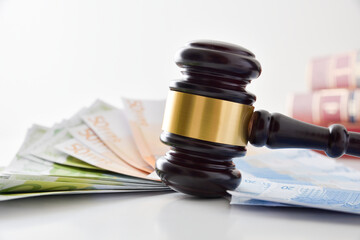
(207, 119)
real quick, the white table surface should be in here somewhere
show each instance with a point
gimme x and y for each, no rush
(167, 216)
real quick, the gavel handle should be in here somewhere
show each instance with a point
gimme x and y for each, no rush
(279, 131)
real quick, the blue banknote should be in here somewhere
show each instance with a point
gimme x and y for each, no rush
(297, 178)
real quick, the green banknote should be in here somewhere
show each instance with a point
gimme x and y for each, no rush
(33, 167)
(12, 196)
(45, 178)
(9, 185)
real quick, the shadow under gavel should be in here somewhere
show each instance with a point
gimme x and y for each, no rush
(209, 118)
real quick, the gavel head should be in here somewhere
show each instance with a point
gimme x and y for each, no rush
(206, 119)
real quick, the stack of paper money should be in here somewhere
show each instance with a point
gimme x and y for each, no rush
(106, 149)
(297, 178)
(100, 149)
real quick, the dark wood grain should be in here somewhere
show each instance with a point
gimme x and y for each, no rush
(279, 131)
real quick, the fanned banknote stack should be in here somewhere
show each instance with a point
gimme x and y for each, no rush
(100, 149)
(104, 149)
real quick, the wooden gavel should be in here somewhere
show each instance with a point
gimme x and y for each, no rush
(209, 118)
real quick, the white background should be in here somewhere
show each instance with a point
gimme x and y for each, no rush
(58, 56)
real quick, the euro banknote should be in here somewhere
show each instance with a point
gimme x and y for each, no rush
(285, 194)
(9, 185)
(297, 178)
(145, 119)
(24, 164)
(47, 178)
(78, 150)
(113, 129)
(42, 168)
(300, 166)
(87, 136)
(45, 147)
(13, 196)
